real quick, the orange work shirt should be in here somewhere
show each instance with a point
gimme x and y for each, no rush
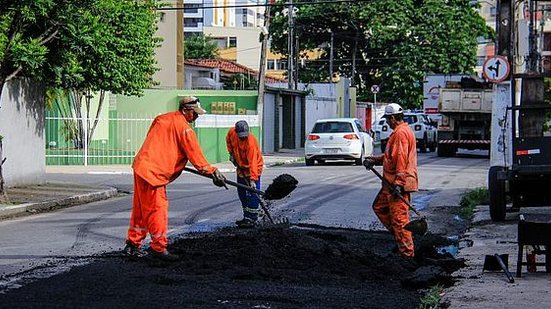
(247, 154)
(169, 144)
(400, 158)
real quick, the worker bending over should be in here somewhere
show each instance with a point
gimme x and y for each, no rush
(246, 156)
(170, 143)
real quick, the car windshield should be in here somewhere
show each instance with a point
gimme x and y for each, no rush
(333, 127)
(410, 119)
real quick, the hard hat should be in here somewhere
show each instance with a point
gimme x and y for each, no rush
(192, 103)
(393, 109)
(242, 128)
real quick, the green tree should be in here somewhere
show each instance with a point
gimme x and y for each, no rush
(392, 43)
(200, 47)
(87, 47)
(111, 48)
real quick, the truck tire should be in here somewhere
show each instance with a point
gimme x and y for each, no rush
(309, 162)
(496, 189)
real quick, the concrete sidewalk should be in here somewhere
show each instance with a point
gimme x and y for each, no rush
(38, 198)
(477, 288)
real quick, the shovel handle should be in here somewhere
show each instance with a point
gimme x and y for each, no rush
(504, 268)
(229, 182)
(386, 183)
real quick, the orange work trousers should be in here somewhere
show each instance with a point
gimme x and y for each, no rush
(394, 215)
(149, 215)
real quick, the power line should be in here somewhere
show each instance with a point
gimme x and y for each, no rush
(202, 7)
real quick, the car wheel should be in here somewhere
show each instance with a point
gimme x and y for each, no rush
(496, 188)
(360, 161)
(432, 146)
(309, 162)
(423, 144)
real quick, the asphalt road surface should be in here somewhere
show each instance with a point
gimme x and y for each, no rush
(337, 194)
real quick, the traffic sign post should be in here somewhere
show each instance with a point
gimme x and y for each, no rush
(375, 90)
(496, 69)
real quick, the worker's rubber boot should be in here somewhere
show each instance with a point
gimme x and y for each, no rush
(164, 256)
(246, 223)
(134, 251)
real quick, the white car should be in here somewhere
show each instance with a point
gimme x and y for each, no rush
(337, 139)
(423, 127)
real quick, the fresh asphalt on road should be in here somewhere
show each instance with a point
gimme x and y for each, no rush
(336, 194)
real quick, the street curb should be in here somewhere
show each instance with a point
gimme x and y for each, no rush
(13, 210)
(278, 163)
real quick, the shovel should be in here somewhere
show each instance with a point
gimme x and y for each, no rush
(418, 226)
(281, 186)
(498, 262)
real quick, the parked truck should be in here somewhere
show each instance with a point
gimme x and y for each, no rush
(520, 158)
(465, 109)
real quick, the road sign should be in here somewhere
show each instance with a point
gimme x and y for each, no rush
(375, 88)
(496, 69)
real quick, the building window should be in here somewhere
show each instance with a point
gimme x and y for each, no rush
(282, 65)
(493, 11)
(271, 64)
(232, 41)
(191, 8)
(547, 41)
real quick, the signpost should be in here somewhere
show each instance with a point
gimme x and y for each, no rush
(496, 69)
(375, 89)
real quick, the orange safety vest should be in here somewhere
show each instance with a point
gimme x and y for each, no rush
(400, 159)
(246, 153)
(169, 144)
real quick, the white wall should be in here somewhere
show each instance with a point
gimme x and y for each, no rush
(22, 125)
(321, 103)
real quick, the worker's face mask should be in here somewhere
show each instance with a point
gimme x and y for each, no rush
(190, 115)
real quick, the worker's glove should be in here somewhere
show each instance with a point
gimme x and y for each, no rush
(398, 191)
(218, 178)
(369, 163)
(252, 184)
(232, 160)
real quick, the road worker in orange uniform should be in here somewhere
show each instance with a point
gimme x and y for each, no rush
(399, 169)
(245, 154)
(168, 146)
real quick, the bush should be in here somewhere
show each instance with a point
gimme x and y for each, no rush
(471, 199)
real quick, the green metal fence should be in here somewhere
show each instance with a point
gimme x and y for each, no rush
(115, 139)
(118, 136)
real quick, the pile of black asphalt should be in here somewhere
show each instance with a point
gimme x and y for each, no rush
(278, 267)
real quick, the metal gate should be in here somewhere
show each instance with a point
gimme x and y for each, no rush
(115, 139)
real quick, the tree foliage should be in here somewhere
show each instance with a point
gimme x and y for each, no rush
(393, 43)
(200, 47)
(86, 47)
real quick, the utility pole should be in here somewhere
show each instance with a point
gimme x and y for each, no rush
(331, 57)
(290, 44)
(262, 70)
(533, 55)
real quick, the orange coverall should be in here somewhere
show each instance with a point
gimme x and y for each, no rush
(168, 146)
(399, 169)
(247, 155)
(250, 164)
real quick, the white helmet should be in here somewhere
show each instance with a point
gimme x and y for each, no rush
(393, 109)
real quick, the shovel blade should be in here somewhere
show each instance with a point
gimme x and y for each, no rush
(282, 186)
(418, 226)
